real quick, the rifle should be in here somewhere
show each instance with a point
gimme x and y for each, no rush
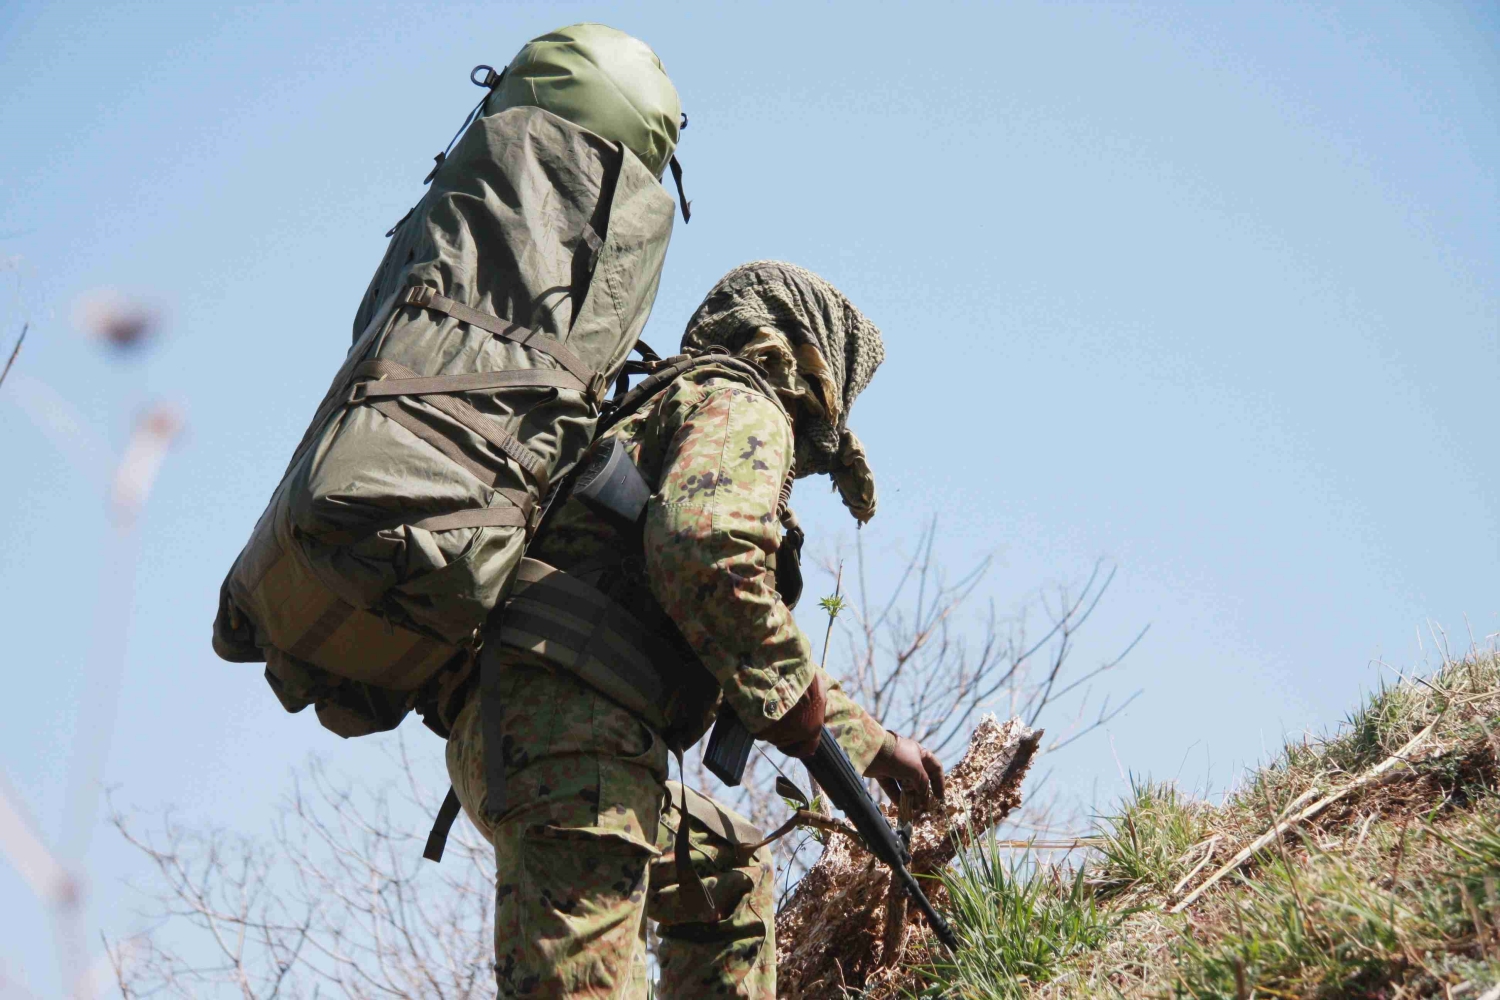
(729, 750)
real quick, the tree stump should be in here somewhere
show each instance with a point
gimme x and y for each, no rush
(843, 928)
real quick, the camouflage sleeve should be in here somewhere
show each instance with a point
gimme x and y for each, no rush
(709, 529)
(855, 729)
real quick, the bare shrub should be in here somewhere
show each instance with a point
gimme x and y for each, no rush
(340, 902)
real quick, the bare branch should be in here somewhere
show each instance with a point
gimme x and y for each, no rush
(340, 899)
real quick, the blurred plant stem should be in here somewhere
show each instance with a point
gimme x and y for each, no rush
(14, 351)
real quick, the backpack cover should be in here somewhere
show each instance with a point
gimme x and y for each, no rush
(505, 305)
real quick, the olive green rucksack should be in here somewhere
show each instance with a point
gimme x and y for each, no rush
(504, 308)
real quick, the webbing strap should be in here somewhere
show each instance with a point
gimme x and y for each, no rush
(420, 651)
(334, 398)
(427, 297)
(516, 516)
(579, 628)
(690, 888)
(682, 198)
(333, 618)
(589, 644)
(366, 371)
(482, 517)
(425, 431)
(521, 498)
(610, 633)
(437, 840)
(321, 629)
(465, 414)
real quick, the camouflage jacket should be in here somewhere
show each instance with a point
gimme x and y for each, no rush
(718, 452)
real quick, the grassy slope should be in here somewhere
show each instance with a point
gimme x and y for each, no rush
(1391, 892)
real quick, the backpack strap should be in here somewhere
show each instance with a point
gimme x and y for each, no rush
(459, 410)
(682, 198)
(664, 371)
(369, 383)
(426, 297)
(629, 368)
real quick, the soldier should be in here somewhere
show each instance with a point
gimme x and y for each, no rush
(584, 841)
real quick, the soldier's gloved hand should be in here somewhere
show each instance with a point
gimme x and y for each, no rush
(797, 733)
(905, 764)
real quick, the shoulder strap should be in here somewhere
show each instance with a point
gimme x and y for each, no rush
(662, 373)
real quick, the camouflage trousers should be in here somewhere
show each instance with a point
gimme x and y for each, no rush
(583, 854)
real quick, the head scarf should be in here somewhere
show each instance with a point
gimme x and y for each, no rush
(816, 346)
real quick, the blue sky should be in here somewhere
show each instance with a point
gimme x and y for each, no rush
(1210, 291)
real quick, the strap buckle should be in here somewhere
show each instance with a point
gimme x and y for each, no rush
(419, 295)
(652, 367)
(356, 393)
(597, 388)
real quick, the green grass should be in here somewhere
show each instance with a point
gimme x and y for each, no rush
(1392, 893)
(1149, 843)
(1019, 921)
(1334, 925)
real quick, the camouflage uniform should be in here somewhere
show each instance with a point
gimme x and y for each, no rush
(582, 847)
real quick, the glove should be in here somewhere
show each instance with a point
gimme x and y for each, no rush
(798, 732)
(905, 765)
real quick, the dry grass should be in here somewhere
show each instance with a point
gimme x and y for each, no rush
(1390, 890)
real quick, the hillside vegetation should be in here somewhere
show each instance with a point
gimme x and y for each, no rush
(1361, 864)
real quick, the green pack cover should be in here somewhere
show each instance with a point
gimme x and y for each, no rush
(505, 305)
(600, 78)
